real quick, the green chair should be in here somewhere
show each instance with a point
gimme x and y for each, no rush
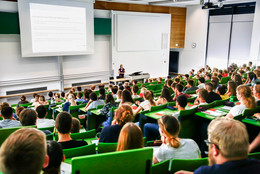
(25, 105)
(187, 164)
(5, 132)
(220, 102)
(154, 108)
(100, 106)
(47, 128)
(191, 99)
(75, 112)
(171, 104)
(114, 162)
(251, 112)
(79, 151)
(188, 123)
(255, 155)
(138, 99)
(82, 135)
(224, 80)
(190, 92)
(210, 105)
(161, 168)
(49, 137)
(107, 147)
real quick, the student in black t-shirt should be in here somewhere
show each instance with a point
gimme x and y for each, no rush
(63, 124)
(212, 96)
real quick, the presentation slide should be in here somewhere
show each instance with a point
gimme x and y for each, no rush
(57, 28)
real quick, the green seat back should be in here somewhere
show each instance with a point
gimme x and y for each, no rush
(100, 106)
(251, 112)
(49, 137)
(188, 123)
(219, 102)
(115, 162)
(80, 151)
(107, 147)
(5, 132)
(171, 104)
(161, 168)
(255, 155)
(47, 128)
(154, 108)
(74, 111)
(233, 98)
(190, 92)
(25, 105)
(210, 105)
(191, 99)
(82, 135)
(224, 80)
(138, 99)
(187, 164)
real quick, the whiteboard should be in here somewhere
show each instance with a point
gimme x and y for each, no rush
(138, 32)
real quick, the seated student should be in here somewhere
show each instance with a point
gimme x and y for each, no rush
(237, 78)
(186, 77)
(102, 94)
(93, 102)
(75, 125)
(110, 102)
(51, 98)
(256, 92)
(190, 86)
(123, 115)
(134, 82)
(127, 98)
(119, 96)
(201, 82)
(212, 96)
(42, 101)
(231, 89)
(202, 96)
(169, 85)
(33, 99)
(7, 122)
(114, 90)
(208, 77)
(24, 151)
(42, 121)
(79, 89)
(228, 149)
(62, 94)
(22, 101)
(173, 147)
(147, 103)
(222, 92)
(134, 91)
(151, 130)
(28, 117)
(79, 97)
(57, 97)
(244, 95)
(165, 97)
(70, 102)
(55, 154)
(63, 124)
(130, 137)
(251, 77)
(87, 92)
(143, 89)
(5, 104)
(178, 91)
(18, 111)
(110, 86)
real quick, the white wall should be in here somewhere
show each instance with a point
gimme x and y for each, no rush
(196, 32)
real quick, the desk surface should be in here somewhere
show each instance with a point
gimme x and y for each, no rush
(251, 121)
(158, 113)
(207, 114)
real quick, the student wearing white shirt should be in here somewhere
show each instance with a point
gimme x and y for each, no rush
(134, 91)
(42, 121)
(147, 103)
(201, 99)
(201, 82)
(244, 95)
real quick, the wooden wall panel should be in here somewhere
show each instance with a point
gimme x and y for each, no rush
(178, 17)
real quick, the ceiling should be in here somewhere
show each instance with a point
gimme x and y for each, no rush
(177, 3)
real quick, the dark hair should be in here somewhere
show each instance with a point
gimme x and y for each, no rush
(135, 89)
(251, 76)
(23, 98)
(166, 94)
(93, 96)
(75, 125)
(102, 91)
(28, 117)
(210, 86)
(191, 82)
(63, 122)
(80, 94)
(41, 110)
(114, 89)
(128, 88)
(222, 89)
(209, 75)
(203, 93)
(179, 87)
(7, 112)
(110, 99)
(79, 88)
(34, 94)
(55, 153)
(50, 94)
(238, 80)
(214, 83)
(126, 97)
(87, 92)
(182, 100)
(169, 82)
(187, 75)
(202, 80)
(62, 94)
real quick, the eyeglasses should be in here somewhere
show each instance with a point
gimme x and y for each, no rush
(208, 142)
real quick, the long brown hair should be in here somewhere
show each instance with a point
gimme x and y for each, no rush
(124, 114)
(130, 137)
(246, 95)
(170, 128)
(232, 86)
(148, 96)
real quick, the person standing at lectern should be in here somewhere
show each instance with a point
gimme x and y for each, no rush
(121, 71)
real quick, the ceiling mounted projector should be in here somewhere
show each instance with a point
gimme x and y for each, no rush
(209, 5)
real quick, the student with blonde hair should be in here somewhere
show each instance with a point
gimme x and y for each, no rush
(231, 88)
(244, 95)
(173, 147)
(70, 102)
(123, 115)
(130, 137)
(147, 103)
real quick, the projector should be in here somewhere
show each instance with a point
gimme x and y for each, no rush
(208, 5)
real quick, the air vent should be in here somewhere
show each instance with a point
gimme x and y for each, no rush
(26, 90)
(86, 83)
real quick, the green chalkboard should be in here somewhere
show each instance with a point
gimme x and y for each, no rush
(9, 24)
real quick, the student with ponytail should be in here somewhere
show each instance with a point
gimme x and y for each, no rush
(147, 103)
(244, 95)
(123, 115)
(173, 147)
